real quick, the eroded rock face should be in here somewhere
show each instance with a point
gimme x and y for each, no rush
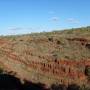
(71, 70)
(48, 60)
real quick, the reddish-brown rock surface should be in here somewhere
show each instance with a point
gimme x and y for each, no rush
(47, 60)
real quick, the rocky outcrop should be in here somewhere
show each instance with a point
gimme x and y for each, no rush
(59, 69)
(87, 46)
(83, 41)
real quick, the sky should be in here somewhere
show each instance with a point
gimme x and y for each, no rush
(27, 16)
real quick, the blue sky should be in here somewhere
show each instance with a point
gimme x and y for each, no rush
(25, 16)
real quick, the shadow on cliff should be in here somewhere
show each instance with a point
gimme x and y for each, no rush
(63, 87)
(9, 82)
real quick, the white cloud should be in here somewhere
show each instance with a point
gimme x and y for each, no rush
(73, 20)
(15, 28)
(54, 19)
